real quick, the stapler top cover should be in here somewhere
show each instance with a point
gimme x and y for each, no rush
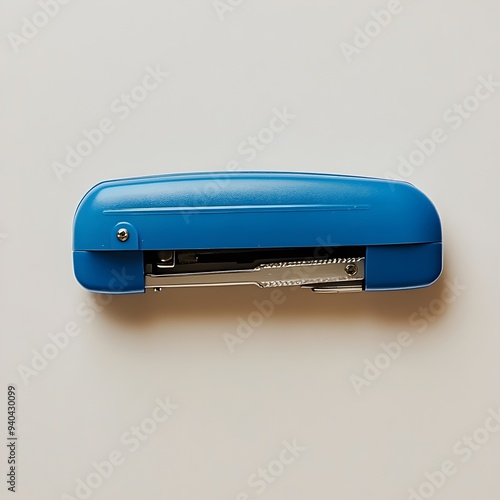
(392, 224)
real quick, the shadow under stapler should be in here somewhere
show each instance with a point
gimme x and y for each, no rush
(290, 304)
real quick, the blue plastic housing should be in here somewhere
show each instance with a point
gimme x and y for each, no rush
(396, 223)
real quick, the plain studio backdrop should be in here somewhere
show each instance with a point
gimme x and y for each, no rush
(224, 393)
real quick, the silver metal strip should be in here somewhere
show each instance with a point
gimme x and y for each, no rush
(336, 288)
(326, 273)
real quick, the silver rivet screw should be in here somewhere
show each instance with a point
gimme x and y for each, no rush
(122, 234)
(351, 269)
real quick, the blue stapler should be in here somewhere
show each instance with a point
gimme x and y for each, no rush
(328, 233)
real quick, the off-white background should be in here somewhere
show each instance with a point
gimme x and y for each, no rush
(292, 378)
